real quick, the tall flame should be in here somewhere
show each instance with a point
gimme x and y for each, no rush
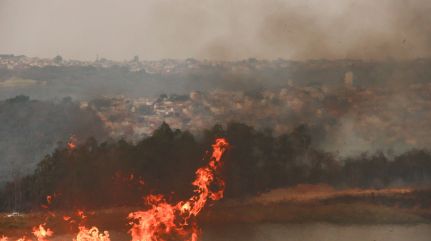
(162, 221)
(174, 221)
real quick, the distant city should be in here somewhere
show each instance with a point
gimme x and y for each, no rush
(353, 100)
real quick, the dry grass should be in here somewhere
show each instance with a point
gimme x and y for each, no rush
(377, 207)
(352, 213)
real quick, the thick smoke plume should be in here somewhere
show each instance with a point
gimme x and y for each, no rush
(226, 29)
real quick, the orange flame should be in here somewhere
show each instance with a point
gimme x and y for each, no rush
(49, 199)
(81, 214)
(91, 234)
(71, 144)
(4, 238)
(164, 219)
(42, 233)
(23, 239)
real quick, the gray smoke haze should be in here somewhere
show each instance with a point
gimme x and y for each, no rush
(387, 110)
(32, 129)
(222, 29)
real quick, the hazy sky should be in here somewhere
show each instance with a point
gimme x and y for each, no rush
(216, 29)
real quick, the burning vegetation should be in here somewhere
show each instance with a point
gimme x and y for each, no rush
(119, 173)
(163, 221)
(103, 150)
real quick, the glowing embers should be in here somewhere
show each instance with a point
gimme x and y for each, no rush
(72, 143)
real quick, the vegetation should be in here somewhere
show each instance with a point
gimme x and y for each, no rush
(32, 128)
(119, 173)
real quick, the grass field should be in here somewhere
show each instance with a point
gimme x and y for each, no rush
(300, 205)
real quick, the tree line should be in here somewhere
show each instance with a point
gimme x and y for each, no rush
(118, 173)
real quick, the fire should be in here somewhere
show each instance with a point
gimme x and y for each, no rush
(81, 214)
(42, 233)
(71, 144)
(165, 220)
(91, 234)
(49, 199)
(3, 238)
(23, 239)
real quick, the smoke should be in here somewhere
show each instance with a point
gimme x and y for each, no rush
(231, 30)
(383, 120)
(222, 29)
(347, 29)
(32, 129)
